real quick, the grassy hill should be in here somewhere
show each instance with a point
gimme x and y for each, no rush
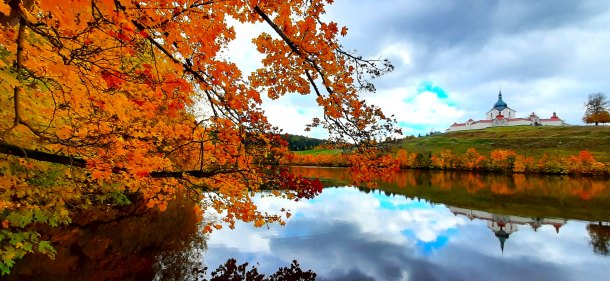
(525, 140)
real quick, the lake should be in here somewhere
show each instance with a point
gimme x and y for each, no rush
(420, 225)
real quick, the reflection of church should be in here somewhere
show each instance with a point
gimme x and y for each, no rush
(504, 225)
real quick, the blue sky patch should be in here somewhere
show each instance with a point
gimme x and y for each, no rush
(428, 86)
(426, 248)
(412, 126)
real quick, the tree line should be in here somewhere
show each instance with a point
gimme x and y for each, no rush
(499, 160)
(298, 142)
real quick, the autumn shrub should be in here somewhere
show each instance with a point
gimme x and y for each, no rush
(499, 160)
(552, 165)
(403, 158)
(502, 159)
(523, 164)
(585, 163)
(472, 160)
(445, 160)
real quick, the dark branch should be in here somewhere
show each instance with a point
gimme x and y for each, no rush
(14, 150)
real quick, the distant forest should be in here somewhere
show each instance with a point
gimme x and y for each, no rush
(296, 142)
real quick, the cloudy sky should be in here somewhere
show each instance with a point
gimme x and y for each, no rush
(452, 57)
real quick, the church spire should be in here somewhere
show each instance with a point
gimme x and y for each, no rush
(502, 236)
(500, 104)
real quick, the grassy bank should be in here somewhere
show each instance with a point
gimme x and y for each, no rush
(525, 140)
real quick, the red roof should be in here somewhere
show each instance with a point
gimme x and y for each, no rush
(554, 116)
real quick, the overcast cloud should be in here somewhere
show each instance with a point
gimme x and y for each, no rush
(452, 57)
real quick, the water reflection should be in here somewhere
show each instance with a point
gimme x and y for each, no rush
(526, 195)
(503, 226)
(420, 226)
(600, 237)
(348, 235)
(119, 244)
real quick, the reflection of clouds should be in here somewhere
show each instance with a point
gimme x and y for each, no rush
(344, 234)
(379, 216)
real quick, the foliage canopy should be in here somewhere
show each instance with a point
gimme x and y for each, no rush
(103, 100)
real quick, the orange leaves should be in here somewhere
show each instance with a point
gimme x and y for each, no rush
(5, 9)
(585, 163)
(371, 164)
(585, 156)
(64, 133)
(259, 222)
(112, 79)
(143, 90)
(502, 159)
(523, 164)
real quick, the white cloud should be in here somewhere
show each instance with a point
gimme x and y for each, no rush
(241, 50)
(397, 49)
(421, 111)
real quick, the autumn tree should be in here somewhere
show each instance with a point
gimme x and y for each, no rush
(111, 99)
(596, 109)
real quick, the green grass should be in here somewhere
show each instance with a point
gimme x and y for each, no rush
(525, 140)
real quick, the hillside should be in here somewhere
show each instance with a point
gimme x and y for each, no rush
(525, 140)
(299, 143)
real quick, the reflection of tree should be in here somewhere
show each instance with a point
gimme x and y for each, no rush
(234, 272)
(600, 238)
(183, 264)
(113, 243)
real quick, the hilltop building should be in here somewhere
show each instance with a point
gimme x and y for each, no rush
(502, 115)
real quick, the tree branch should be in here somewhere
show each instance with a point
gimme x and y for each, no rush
(14, 150)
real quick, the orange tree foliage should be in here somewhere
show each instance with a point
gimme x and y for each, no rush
(499, 160)
(106, 99)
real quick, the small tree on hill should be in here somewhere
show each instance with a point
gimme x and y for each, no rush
(596, 109)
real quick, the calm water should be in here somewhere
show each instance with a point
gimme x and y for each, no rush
(418, 226)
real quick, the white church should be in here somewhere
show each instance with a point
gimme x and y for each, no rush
(502, 115)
